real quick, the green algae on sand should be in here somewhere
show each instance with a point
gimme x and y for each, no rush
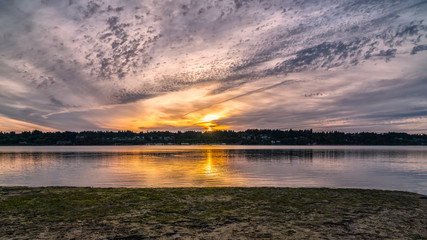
(210, 213)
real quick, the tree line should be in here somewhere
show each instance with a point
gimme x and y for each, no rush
(248, 137)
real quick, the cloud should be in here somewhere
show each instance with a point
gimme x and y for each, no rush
(358, 100)
(104, 64)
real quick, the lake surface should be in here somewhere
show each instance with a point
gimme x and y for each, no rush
(378, 167)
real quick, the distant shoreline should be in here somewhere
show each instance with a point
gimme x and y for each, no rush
(213, 144)
(210, 213)
(222, 137)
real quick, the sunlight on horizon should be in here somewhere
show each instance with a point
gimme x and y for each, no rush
(208, 122)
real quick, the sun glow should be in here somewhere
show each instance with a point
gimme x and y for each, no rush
(210, 117)
(208, 124)
(174, 111)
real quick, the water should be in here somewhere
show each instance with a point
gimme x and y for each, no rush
(383, 167)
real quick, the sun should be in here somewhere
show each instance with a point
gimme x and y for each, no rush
(210, 117)
(209, 126)
(207, 122)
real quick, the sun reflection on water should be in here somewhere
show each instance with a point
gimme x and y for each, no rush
(395, 168)
(208, 167)
(215, 166)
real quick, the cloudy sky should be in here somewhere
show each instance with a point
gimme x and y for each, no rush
(177, 65)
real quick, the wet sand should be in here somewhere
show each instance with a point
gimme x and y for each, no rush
(210, 213)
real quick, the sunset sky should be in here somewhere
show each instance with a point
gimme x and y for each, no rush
(203, 65)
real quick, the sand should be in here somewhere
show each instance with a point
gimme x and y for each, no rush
(210, 213)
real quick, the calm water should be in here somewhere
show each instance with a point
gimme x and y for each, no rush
(392, 168)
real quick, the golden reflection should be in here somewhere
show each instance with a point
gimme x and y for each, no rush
(206, 167)
(150, 167)
(216, 164)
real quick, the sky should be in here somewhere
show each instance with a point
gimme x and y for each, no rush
(352, 66)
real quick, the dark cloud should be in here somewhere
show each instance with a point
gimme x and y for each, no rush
(418, 48)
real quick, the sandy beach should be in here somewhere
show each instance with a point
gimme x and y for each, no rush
(210, 213)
